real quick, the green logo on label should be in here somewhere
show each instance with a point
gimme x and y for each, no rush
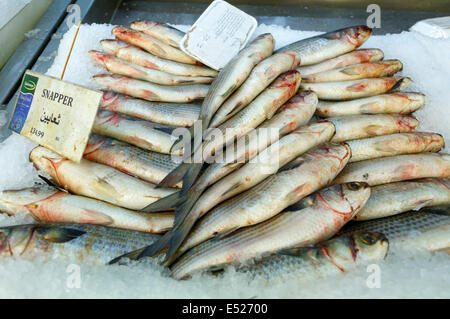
(29, 84)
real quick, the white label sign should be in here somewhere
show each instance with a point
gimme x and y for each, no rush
(56, 114)
(218, 35)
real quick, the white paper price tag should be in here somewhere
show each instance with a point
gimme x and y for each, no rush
(218, 35)
(56, 114)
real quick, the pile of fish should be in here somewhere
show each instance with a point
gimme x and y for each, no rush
(346, 151)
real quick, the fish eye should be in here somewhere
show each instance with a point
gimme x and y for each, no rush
(369, 238)
(354, 186)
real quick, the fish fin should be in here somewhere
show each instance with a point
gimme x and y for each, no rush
(157, 247)
(304, 203)
(163, 204)
(53, 184)
(294, 251)
(175, 176)
(439, 210)
(232, 187)
(398, 84)
(228, 92)
(190, 176)
(422, 204)
(373, 129)
(350, 70)
(184, 206)
(160, 50)
(365, 108)
(106, 187)
(90, 216)
(182, 227)
(133, 255)
(59, 234)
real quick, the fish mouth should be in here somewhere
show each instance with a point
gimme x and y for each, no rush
(358, 34)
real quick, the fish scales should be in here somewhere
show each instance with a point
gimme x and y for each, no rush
(332, 208)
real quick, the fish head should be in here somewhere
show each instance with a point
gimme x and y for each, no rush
(112, 46)
(370, 246)
(357, 35)
(14, 240)
(266, 41)
(111, 100)
(15, 202)
(46, 160)
(356, 194)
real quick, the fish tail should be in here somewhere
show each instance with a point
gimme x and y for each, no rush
(178, 144)
(133, 255)
(157, 247)
(175, 176)
(190, 176)
(182, 228)
(163, 204)
(184, 206)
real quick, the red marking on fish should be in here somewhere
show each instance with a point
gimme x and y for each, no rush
(91, 148)
(346, 215)
(295, 59)
(405, 123)
(110, 117)
(403, 96)
(40, 211)
(353, 250)
(151, 65)
(326, 253)
(358, 87)
(110, 101)
(55, 165)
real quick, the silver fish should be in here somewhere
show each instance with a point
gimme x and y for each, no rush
(347, 90)
(427, 229)
(339, 255)
(140, 57)
(146, 165)
(353, 127)
(172, 114)
(121, 67)
(309, 173)
(395, 198)
(396, 168)
(84, 243)
(141, 133)
(97, 181)
(260, 77)
(398, 103)
(47, 204)
(265, 164)
(152, 45)
(331, 209)
(262, 108)
(234, 74)
(328, 45)
(395, 144)
(160, 31)
(149, 91)
(357, 71)
(354, 57)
